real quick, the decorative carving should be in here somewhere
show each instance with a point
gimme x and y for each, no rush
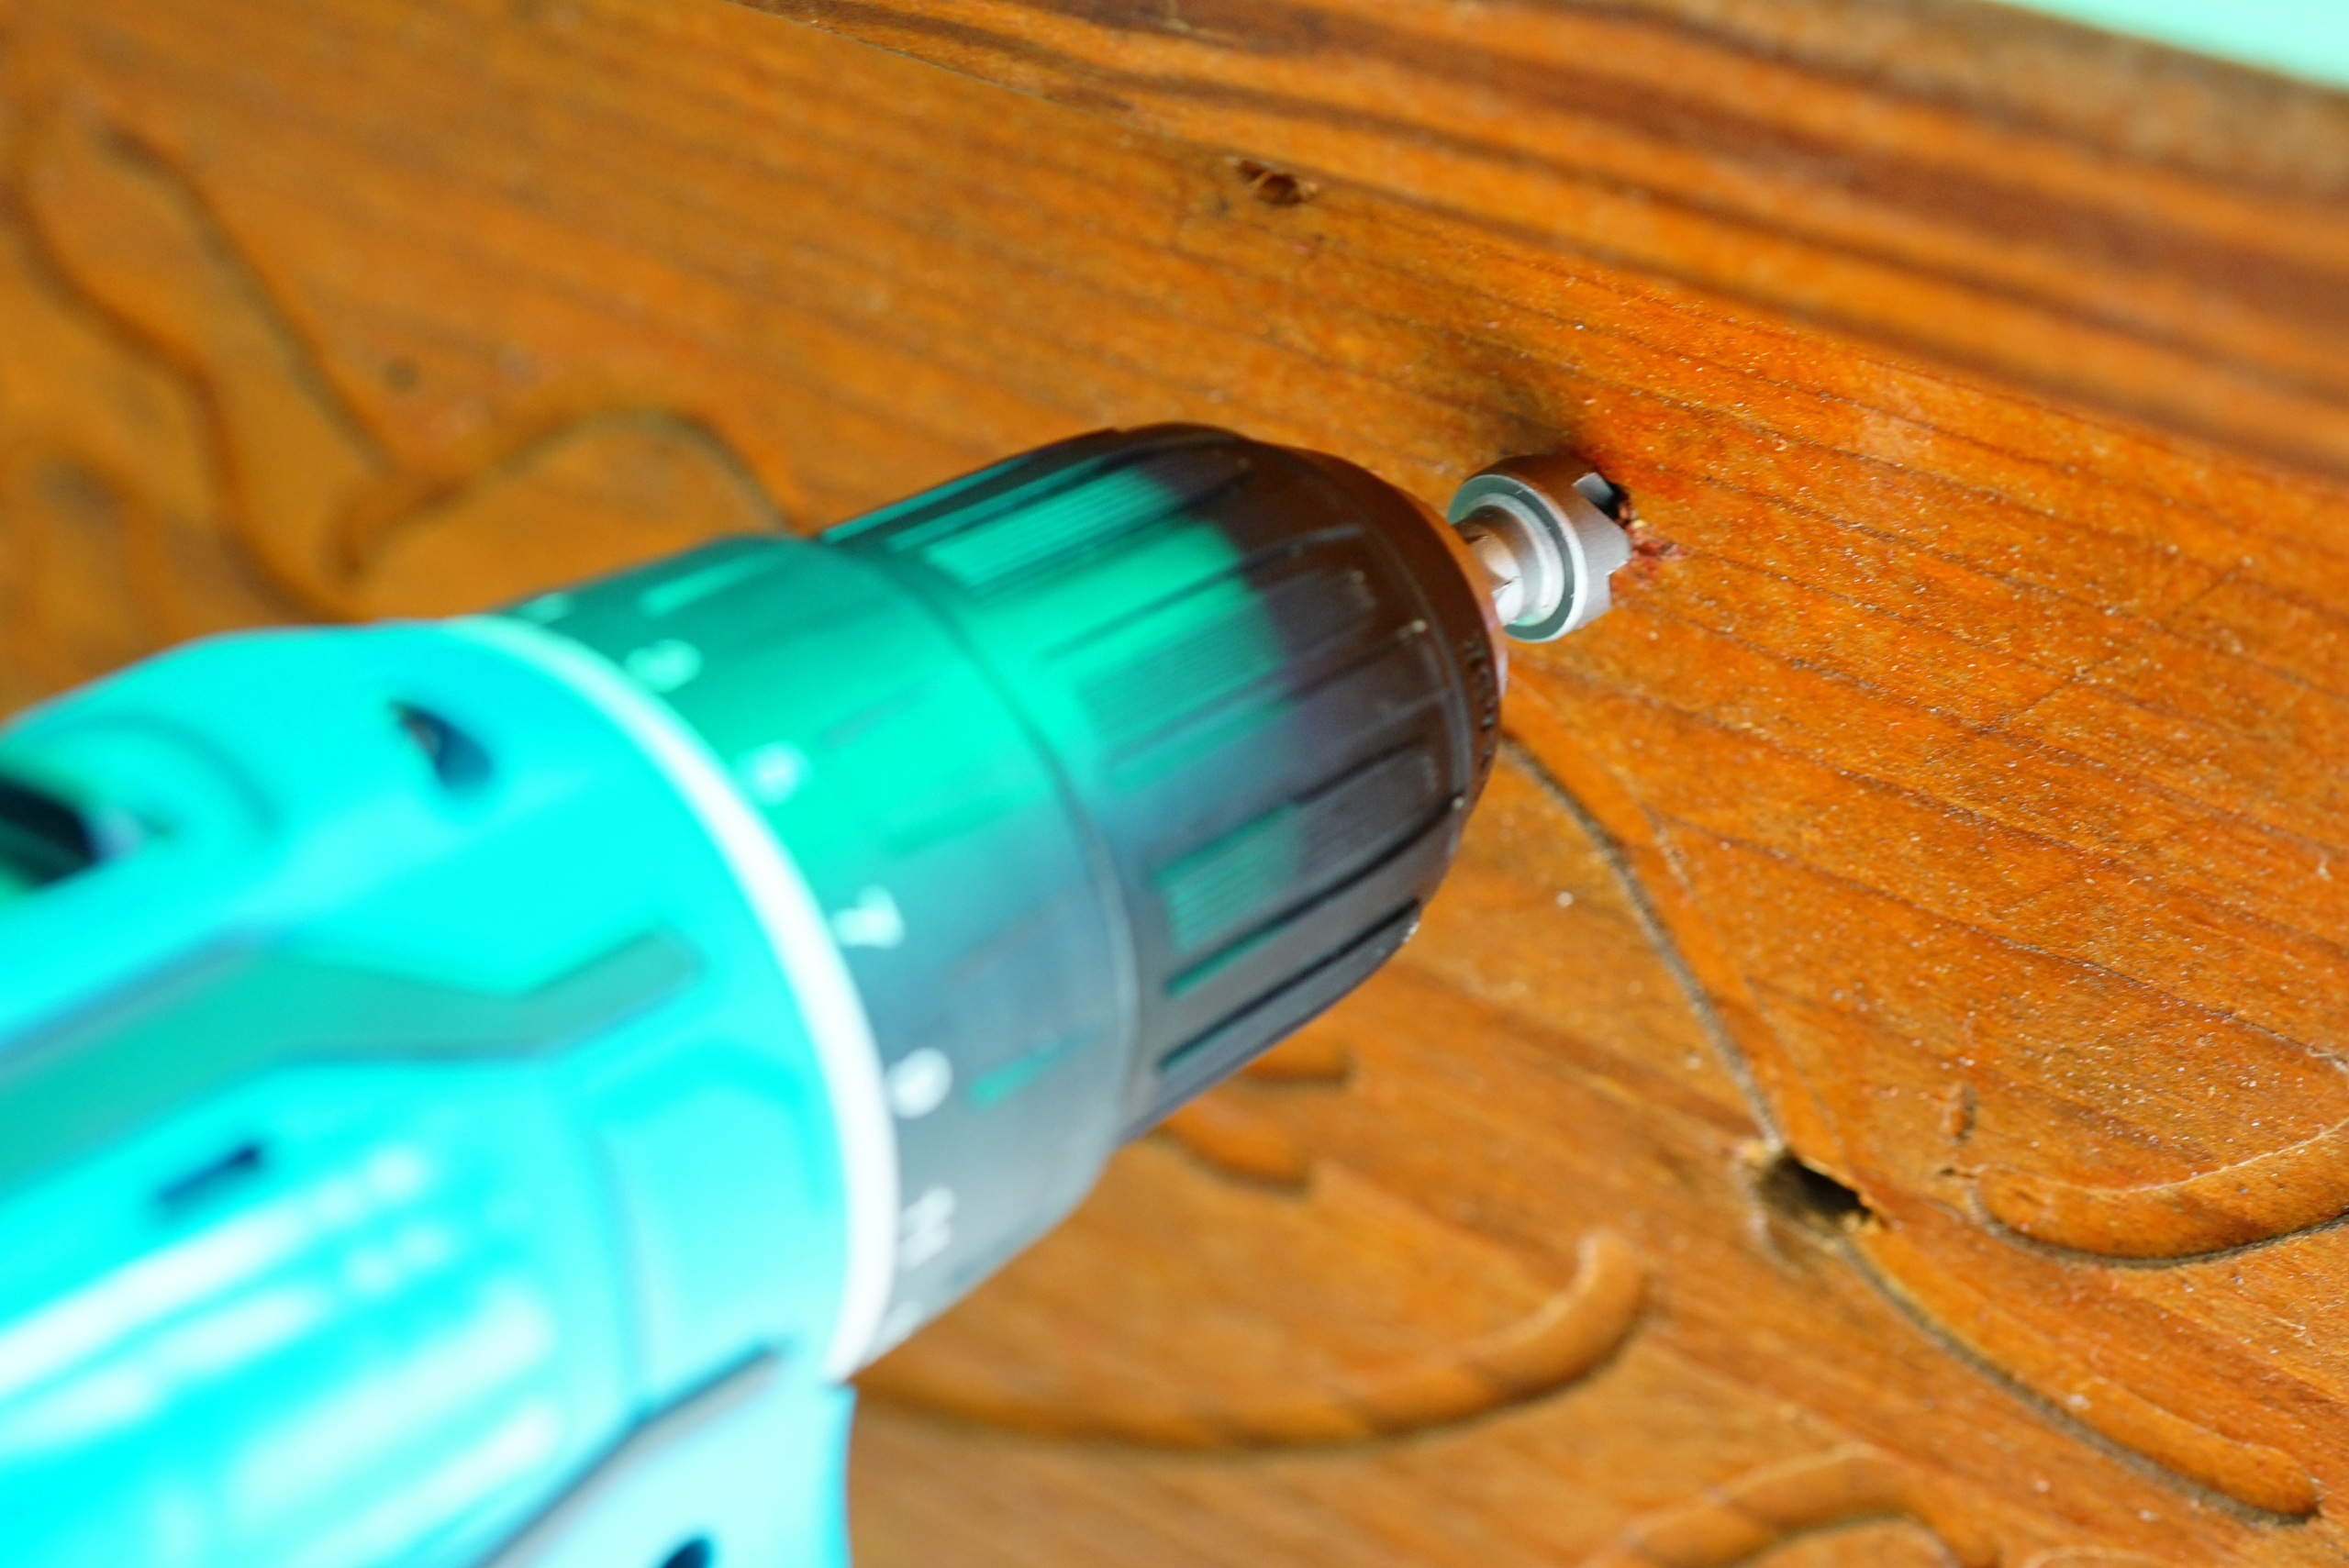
(2202, 1428)
(122, 282)
(2258, 1199)
(1314, 1057)
(109, 543)
(2249, 1471)
(1563, 1339)
(1222, 1133)
(1768, 1507)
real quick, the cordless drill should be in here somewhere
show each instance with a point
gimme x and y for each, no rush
(472, 1092)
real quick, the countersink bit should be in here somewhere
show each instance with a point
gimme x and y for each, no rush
(1547, 533)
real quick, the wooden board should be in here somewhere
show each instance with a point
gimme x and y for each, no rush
(2119, 223)
(1868, 1093)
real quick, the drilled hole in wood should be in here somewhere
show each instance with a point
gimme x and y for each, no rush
(1275, 187)
(1809, 1196)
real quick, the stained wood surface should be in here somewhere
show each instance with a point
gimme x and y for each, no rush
(1867, 1094)
(2116, 222)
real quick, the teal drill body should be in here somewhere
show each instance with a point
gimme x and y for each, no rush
(470, 1093)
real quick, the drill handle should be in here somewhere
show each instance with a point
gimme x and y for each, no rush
(749, 1472)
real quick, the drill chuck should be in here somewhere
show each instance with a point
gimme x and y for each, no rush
(1112, 763)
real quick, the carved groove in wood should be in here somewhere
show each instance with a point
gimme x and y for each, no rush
(1563, 1339)
(112, 256)
(1747, 1516)
(2258, 1456)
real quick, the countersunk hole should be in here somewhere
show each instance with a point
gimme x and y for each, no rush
(1809, 1196)
(1603, 493)
(238, 1164)
(457, 759)
(694, 1553)
(1275, 187)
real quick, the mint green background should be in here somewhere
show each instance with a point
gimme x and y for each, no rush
(2308, 38)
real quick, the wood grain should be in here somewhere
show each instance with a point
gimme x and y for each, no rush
(1908, 921)
(1867, 167)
